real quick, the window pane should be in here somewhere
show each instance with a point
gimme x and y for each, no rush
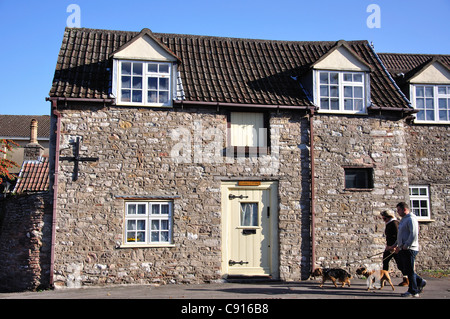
(348, 91)
(421, 116)
(141, 209)
(442, 90)
(141, 225)
(155, 236)
(429, 103)
(348, 104)
(126, 82)
(153, 67)
(137, 82)
(164, 225)
(152, 83)
(358, 104)
(420, 103)
(442, 103)
(358, 91)
(249, 214)
(137, 68)
(155, 225)
(126, 68)
(443, 115)
(131, 225)
(423, 191)
(334, 104)
(324, 104)
(140, 237)
(429, 91)
(348, 77)
(430, 115)
(155, 209)
(324, 90)
(165, 209)
(324, 77)
(163, 97)
(126, 96)
(152, 97)
(334, 78)
(165, 236)
(164, 84)
(137, 96)
(131, 209)
(163, 68)
(357, 77)
(419, 91)
(334, 91)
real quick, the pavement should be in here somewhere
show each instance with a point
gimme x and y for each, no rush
(436, 288)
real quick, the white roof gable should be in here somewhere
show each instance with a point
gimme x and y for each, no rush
(434, 73)
(341, 59)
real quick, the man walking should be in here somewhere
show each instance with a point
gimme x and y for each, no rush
(408, 248)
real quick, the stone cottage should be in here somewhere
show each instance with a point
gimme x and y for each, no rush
(184, 159)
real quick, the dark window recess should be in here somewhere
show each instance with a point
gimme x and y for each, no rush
(360, 178)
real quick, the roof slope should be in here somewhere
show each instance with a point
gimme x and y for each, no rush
(33, 176)
(405, 65)
(213, 69)
(19, 125)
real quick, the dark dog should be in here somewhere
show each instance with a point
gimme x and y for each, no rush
(375, 275)
(333, 274)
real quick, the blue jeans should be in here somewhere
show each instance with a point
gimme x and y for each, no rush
(407, 258)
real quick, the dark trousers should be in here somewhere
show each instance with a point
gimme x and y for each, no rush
(407, 259)
(387, 258)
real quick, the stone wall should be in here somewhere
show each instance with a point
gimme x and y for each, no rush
(348, 226)
(25, 242)
(176, 153)
(429, 164)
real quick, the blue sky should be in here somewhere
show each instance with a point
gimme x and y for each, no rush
(31, 31)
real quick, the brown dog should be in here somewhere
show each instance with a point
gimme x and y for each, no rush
(333, 274)
(375, 275)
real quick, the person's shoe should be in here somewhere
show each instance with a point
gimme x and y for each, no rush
(422, 285)
(410, 295)
(405, 282)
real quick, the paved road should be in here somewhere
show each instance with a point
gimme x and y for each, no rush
(437, 288)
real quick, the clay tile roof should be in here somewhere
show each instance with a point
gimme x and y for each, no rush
(213, 69)
(19, 125)
(33, 176)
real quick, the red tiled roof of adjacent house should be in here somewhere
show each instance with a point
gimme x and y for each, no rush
(214, 69)
(19, 125)
(33, 176)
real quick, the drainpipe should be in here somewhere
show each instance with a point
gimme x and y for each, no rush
(55, 112)
(313, 192)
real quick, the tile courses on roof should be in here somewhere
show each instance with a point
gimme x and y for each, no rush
(33, 176)
(214, 69)
(406, 64)
(18, 126)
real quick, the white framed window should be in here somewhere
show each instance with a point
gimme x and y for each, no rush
(341, 91)
(432, 102)
(148, 223)
(144, 83)
(420, 201)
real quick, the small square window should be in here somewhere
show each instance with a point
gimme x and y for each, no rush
(420, 202)
(358, 178)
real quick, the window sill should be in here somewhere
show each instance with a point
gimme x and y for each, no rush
(425, 220)
(145, 246)
(358, 189)
(246, 151)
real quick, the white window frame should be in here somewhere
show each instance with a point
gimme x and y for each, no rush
(436, 89)
(341, 85)
(419, 200)
(147, 73)
(156, 228)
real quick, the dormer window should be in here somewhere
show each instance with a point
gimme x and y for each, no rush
(341, 91)
(432, 102)
(144, 72)
(145, 83)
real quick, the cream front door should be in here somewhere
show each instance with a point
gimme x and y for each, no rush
(250, 230)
